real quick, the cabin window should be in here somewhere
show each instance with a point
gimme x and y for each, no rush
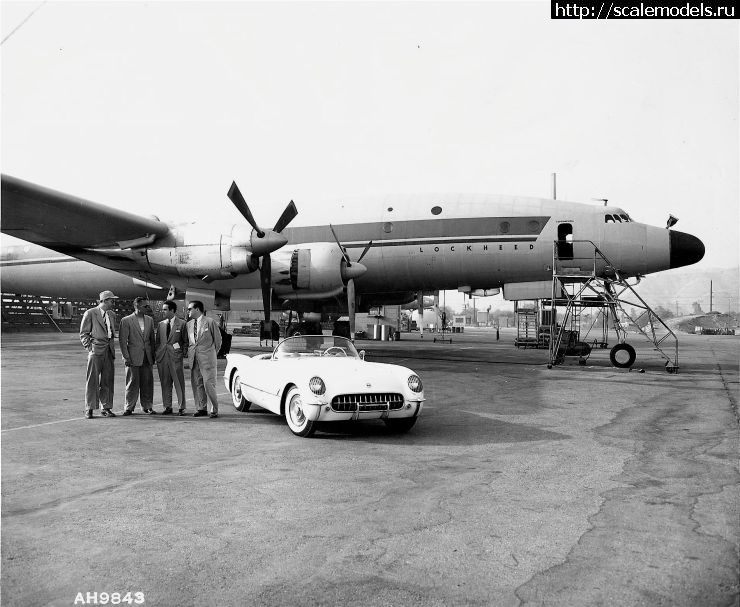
(436, 210)
(388, 227)
(504, 227)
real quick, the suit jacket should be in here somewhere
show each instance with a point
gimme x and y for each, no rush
(135, 345)
(207, 344)
(166, 346)
(94, 333)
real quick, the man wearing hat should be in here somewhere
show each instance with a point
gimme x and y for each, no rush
(98, 338)
(136, 338)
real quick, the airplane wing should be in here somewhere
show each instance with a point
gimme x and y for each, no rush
(68, 224)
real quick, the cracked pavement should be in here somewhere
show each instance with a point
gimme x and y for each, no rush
(518, 486)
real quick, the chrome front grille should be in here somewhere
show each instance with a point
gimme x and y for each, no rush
(377, 401)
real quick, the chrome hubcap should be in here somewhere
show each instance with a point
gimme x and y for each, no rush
(296, 411)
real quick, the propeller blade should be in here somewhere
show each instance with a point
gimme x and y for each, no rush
(341, 248)
(420, 303)
(241, 205)
(367, 248)
(351, 307)
(266, 283)
(288, 215)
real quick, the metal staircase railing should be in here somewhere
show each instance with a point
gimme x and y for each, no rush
(592, 280)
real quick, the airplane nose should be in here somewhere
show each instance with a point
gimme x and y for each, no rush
(685, 249)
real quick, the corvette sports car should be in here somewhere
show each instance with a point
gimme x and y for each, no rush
(314, 378)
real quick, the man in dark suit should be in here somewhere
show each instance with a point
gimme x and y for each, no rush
(136, 337)
(204, 342)
(171, 347)
(98, 338)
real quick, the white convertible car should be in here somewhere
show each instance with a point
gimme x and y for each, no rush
(315, 378)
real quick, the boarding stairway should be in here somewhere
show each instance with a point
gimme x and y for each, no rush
(584, 277)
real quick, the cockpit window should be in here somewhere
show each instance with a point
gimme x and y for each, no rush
(625, 217)
(608, 219)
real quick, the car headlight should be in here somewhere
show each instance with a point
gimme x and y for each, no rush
(317, 386)
(415, 383)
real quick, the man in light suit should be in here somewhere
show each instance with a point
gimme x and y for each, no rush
(204, 340)
(136, 337)
(171, 347)
(98, 338)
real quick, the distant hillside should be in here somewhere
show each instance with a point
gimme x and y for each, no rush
(684, 287)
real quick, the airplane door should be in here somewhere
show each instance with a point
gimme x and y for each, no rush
(565, 241)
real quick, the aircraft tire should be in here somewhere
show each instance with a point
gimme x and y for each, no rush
(240, 403)
(618, 360)
(401, 425)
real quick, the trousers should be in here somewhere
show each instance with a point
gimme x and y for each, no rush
(100, 380)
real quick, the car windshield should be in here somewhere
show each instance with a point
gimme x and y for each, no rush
(315, 345)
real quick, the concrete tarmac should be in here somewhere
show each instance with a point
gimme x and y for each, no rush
(579, 485)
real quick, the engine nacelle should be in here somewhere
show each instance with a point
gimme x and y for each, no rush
(314, 272)
(203, 250)
(221, 260)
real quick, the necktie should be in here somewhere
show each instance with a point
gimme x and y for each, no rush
(195, 329)
(168, 329)
(107, 324)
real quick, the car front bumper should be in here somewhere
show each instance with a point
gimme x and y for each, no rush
(322, 411)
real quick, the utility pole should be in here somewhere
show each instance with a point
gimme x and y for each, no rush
(676, 307)
(554, 186)
(710, 295)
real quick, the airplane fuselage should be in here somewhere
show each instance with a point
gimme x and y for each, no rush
(419, 244)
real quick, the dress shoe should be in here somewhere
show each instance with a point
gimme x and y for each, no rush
(213, 415)
(128, 412)
(107, 413)
(150, 412)
(88, 414)
(167, 411)
(200, 413)
(181, 412)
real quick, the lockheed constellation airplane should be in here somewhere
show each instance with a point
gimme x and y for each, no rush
(386, 251)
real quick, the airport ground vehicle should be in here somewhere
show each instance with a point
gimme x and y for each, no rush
(322, 378)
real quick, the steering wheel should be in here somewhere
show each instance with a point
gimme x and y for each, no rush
(337, 351)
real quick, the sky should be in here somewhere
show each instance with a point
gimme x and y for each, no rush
(157, 107)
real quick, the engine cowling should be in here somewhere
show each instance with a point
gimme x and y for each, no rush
(308, 273)
(205, 253)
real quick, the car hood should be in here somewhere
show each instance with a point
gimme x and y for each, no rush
(342, 374)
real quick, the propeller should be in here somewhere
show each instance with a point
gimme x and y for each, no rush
(420, 304)
(351, 270)
(265, 243)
